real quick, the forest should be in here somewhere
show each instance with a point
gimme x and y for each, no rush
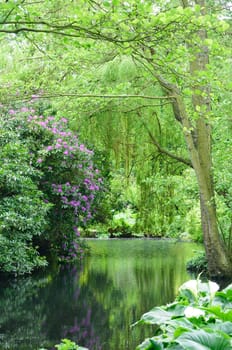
(115, 123)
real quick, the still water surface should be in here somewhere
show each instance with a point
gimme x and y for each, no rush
(94, 304)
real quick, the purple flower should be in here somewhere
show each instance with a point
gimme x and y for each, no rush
(39, 160)
(24, 109)
(43, 124)
(34, 96)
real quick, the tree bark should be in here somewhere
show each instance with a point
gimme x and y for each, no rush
(198, 140)
(219, 263)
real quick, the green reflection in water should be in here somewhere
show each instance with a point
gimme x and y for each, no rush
(94, 304)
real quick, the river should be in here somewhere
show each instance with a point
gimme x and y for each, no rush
(96, 302)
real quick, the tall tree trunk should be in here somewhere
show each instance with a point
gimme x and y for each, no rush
(218, 259)
(199, 145)
(198, 140)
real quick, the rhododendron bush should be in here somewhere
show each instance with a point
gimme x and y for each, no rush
(64, 183)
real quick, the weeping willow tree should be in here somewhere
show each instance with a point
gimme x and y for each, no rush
(131, 134)
(135, 137)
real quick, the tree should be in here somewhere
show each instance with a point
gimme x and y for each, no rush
(173, 43)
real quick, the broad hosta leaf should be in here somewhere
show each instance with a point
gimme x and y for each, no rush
(225, 327)
(202, 340)
(160, 315)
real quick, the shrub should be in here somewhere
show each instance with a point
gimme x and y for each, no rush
(198, 264)
(23, 213)
(48, 189)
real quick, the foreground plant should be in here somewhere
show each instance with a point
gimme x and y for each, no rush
(67, 344)
(199, 319)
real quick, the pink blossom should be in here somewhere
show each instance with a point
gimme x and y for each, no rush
(24, 109)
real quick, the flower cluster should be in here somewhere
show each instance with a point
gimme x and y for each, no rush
(69, 162)
(69, 180)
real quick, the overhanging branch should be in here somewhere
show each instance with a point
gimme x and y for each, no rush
(163, 150)
(75, 95)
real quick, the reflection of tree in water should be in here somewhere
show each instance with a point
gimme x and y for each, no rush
(159, 277)
(94, 305)
(161, 285)
(20, 324)
(74, 312)
(31, 314)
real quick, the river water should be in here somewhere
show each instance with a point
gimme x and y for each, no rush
(96, 302)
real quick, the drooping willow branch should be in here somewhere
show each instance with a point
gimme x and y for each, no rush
(163, 150)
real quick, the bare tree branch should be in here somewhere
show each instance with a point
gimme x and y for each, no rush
(75, 95)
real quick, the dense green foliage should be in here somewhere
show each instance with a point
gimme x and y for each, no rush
(199, 318)
(129, 78)
(48, 189)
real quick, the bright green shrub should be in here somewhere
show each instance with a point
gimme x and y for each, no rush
(67, 344)
(23, 213)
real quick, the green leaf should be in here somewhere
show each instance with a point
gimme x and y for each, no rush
(145, 345)
(156, 345)
(225, 327)
(160, 315)
(202, 340)
(217, 311)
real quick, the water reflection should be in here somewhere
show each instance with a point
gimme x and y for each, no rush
(93, 304)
